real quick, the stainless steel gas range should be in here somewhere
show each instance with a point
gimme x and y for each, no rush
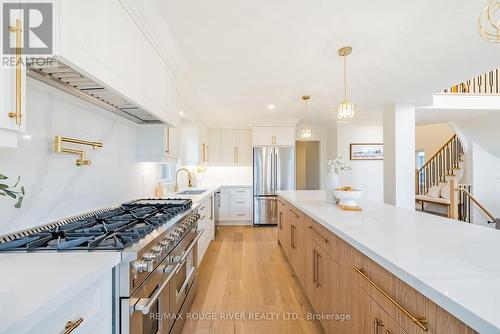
(155, 283)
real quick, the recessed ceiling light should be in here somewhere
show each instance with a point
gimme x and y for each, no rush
(26, 137)
(271, 107)
(181, 112)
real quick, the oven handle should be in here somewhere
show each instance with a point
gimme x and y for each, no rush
(144, 304)
(181, 258)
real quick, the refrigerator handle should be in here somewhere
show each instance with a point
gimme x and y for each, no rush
(275, 172)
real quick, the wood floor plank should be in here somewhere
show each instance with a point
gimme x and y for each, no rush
(247, 283)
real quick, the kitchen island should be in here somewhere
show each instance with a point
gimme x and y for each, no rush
(399, 258)
(44, 291)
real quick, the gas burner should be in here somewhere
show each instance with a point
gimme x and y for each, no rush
(114, 229)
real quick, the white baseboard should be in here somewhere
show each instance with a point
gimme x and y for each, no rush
(235, 223)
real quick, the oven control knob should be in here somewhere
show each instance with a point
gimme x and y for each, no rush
(157, 250)
(165, 244)
(150, 256)
(139, 266)
(175, 235)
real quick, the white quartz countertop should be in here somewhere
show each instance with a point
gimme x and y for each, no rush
(32, 285)
(454, 264)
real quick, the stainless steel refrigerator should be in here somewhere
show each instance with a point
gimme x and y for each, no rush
(273, 170)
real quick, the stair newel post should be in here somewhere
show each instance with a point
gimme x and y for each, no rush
(453, 209)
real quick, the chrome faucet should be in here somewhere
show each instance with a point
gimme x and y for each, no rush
(190, 179)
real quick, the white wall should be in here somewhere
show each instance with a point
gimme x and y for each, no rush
(55, 186)
(485, 183)
(482, 158)
(367, 175)
(431, 137)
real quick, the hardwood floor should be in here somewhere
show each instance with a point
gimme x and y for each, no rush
(245, 274)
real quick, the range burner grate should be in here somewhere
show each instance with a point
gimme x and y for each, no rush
(114, 229)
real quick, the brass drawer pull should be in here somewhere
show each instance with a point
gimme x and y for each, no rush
(419, 321)
(18, 114)
(376, 324)
(319, 235)
(296, 215)
(71, 326)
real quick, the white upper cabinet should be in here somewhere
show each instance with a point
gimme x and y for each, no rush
(189, 143)
(157, 143)
(273, 135)
(12, 89)
(235, 147)
(214, 149)
(100, 39)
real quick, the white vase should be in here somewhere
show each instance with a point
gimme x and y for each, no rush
(332, 182)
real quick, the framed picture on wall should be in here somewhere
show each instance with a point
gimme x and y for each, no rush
(367, 151)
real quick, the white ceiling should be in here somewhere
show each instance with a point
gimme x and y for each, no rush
(243, 55)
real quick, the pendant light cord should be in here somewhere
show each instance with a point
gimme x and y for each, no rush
(345, 77)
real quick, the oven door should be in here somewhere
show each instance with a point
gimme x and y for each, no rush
(185, 257)
(148, 309)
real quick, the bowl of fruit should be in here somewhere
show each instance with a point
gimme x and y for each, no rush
(347, 195)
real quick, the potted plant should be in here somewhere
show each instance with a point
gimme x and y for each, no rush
(335, 167)
(12, 191)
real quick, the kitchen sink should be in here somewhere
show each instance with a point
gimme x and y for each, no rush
(192, 192)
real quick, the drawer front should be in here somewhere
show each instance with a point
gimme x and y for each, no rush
(241, 202)
(241, 192)
(325, 239)
(387, 291)
(93, 305)
(241, 215)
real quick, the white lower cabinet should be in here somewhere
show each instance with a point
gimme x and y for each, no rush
(206, 222)
(93, 304)
(236, 204)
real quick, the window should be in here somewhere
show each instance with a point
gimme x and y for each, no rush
(420, 162)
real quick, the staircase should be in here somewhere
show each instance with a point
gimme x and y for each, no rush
(446, 164)
(444, 170)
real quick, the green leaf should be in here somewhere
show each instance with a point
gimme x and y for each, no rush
(3, 186)
(3, 177)
(22, 190)
(19, 202)
(2, 194)
(10, 193)
(17, 182)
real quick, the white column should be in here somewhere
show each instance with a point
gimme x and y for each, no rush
(399, 155)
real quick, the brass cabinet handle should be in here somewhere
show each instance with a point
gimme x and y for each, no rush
(203, 153)
(292, 236)
(279, 220)
(71, 326)
(314, 266)
(319, 235)
(419, 321)
(318, 256)
(296, 215)
(236, 158)
(167, 140)
(273, 140)
(376, 324)
(206, 155)
(18, 114)
(388, 332)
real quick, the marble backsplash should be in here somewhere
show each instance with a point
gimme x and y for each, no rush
(55, 186)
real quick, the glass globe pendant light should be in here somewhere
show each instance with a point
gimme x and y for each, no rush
(345, 110)
(306, 132)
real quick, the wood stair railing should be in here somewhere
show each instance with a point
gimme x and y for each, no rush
(484, 84)
(442, 164)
